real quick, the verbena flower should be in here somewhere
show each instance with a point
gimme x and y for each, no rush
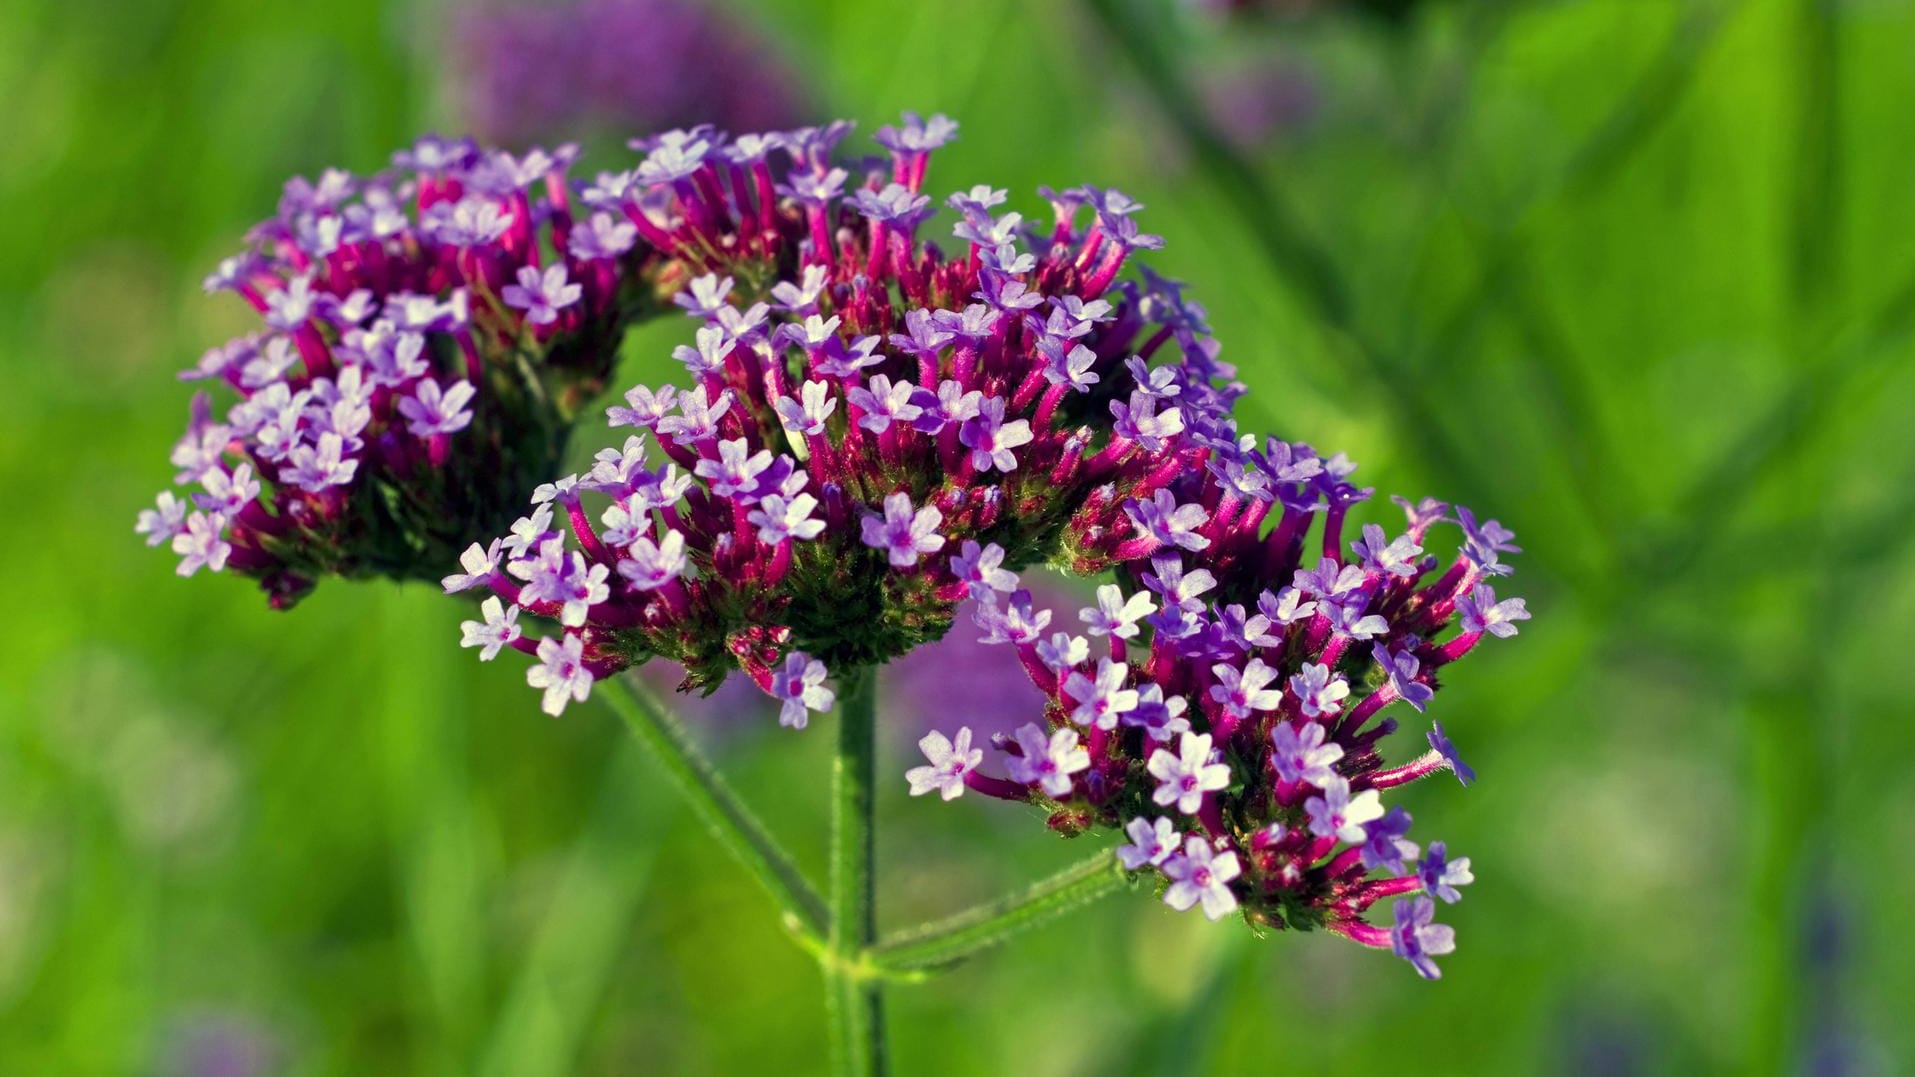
(1238, 738)
(428, 335)
(871, 429)
(625, 65)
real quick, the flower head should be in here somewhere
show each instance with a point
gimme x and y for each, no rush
(414, 369)
(867, 436)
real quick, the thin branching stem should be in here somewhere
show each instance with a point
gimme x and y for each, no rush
(729, 820)
(945, 942)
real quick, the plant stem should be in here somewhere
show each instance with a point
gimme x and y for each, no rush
(947, 941)
(853, 996)
(715, 802)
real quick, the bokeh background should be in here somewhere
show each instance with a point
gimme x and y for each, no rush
(1635, 277)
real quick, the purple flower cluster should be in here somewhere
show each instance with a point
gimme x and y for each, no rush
(871, 430)
(626, 65)
(1232, 726)
(428, 335)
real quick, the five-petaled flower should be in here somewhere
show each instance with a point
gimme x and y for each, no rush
(950, 761)
(1185, 776)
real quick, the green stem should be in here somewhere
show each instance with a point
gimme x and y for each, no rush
(853, 996)
(947, 941)
(715, 802)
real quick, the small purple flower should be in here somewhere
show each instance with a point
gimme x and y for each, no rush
(800, 687)
(1301, 756)
(778, 519)
(1402, 667)
(160, 524)
(479, 563)
(226, 493)
(498, 630)
(801, 297)
(884, 403)
(1063, 651)
(291, 306)
(918, 135)
(1184, 778)
(1179, 588)
(1017, 622)
(902, 534)
(1483, 542)
(806, 415)
(1244, 691)
(1417, 940)
(734, 475)
(200, 545)
(1441, 875)
(1318, 692)
(1199, 874)
(470, 222)
(561, 674)
(979, 566)
(703, 295)
(1141, 422)
(950, 762)
(1115, 615)
(1338, 814)
(1441, 742)
(1277, 611)
(1386, 846)
(950, 404)
(1070, 367)
(602, 237)
(315, 467)
(431, 410)
(707, 358)
(991, 439)
(542, 295)
(645, 408)
(697, 417)
(1396, 558)
(895, 205)
(1480, 612)
(1151, 843)
(1050, 763)
(1103, 700)
(1160, 717)
(1348, 619)
(653, 565)
(1168, 522)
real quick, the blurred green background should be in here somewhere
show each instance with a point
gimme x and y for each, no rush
(1634, 277)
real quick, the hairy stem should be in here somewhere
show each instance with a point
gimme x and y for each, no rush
(854, 997)
(947, 941)
(715, 802)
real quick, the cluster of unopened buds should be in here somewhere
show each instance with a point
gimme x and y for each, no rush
(872, 430)
(429, 335)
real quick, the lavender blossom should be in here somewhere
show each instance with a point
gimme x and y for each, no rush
(1201, 874)
(949, 760)
(1186, 776)
(1419, 941)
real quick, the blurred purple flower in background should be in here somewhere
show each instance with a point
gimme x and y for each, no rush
(641, 64)
(219, 1043)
